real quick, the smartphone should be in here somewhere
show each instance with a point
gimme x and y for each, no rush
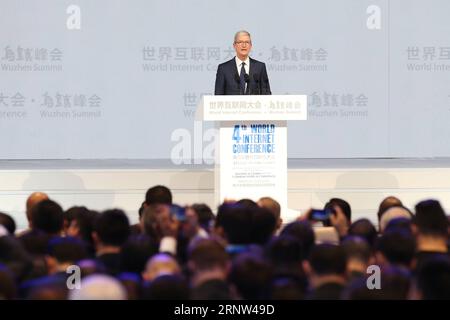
(320, 215)
(178, 212)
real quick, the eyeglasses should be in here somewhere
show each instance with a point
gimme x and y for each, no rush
(243, 42)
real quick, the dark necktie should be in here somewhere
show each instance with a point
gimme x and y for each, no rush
(242, 78)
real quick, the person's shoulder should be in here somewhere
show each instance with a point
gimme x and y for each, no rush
(231, 61)
(254, 61)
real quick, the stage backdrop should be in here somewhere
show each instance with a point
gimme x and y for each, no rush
(121, 79)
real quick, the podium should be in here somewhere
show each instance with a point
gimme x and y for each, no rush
(251, 158)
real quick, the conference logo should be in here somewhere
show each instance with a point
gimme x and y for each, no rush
(19, 58)
(291, 59)
(206, 58)
(62, 105)
(328, 104)
(65, 105)
(427, 58)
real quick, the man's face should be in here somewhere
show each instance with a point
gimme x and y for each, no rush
(242, 45)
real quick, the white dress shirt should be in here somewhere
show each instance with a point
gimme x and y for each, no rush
(239, 65)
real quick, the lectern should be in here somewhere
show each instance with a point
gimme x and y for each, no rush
(251, 160)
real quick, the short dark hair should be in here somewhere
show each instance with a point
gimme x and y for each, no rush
(8, 222)
(85, 219)
(397, 246)
(166, 287)
(251, 275)
(304, 233)
(284, 249)
(204, 213)
(158, 195)
(356, 247)
(263, 225)
(235, 220)
(135, 253)
(364, 229)
(67, 249)
(327, 258)
(341, 203)
(48, 216)
(112, 227)
(433, 278)
(430, 218)
(207, 253)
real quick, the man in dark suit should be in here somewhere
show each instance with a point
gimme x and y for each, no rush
(242, 74)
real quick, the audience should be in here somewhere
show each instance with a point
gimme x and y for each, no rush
(243, 252)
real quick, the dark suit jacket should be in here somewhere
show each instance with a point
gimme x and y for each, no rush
(227, 79)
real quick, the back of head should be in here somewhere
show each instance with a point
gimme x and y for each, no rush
(235, 220)
(263, 225)
(90, 266)
(166, 287)
(67, 249)
(158, 195)
(364, 229)
(430, 218)
(8, 222)
(271, 204)
(32, 200)
(207, 254)
(82, 221)
(251, 275)
(394, 212)
(285, 249)
(303, 232)
(48, 217)
(399, 224)
(204, 213)
(112, 227)
(274, 207)
(387, 203)
(247, 203)
(357, 248)
(326, 259)
(397, 246)
(341, 203)
(99, 287)
(135, 253)
(161, 264)
(433, 278)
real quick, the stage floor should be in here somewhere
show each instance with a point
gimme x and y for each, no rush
(356, 163)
